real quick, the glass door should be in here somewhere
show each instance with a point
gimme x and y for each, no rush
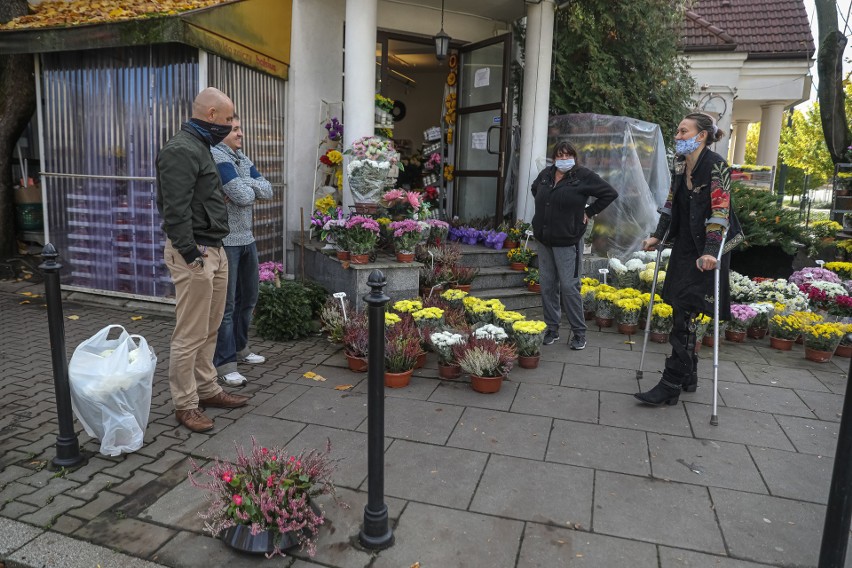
(483, 128)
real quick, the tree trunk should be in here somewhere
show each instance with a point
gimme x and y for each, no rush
(17, 105)
(830, 91)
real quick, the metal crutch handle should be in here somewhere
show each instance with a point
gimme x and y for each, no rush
(660, 246)
(714, 418)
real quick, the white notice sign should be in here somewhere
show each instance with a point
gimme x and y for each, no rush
(482, 77)
(478, 140)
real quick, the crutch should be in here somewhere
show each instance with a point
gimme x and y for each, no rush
(660, 247)
(714, 418)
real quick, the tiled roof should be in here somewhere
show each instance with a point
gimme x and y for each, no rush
(758, 27)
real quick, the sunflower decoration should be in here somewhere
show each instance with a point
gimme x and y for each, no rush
(448, 172)
(450, 102)
(453, 61)
(451, 79)
(449, 135)
(450, 117)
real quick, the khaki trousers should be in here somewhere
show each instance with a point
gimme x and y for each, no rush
(200, 297)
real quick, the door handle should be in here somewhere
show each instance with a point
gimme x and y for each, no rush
(488, 139)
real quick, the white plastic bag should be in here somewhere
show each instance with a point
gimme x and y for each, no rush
(111, 383)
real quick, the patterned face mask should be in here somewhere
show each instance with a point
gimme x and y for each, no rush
(686, 147)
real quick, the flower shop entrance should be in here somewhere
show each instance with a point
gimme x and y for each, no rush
(451, 120)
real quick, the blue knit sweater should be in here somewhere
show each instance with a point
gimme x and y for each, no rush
(242, 184)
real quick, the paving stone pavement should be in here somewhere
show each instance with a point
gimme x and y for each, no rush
(560, 468)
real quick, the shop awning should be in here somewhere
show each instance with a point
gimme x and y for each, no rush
(255, 33)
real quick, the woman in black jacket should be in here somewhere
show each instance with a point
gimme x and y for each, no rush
(561, 193)
(696, 213)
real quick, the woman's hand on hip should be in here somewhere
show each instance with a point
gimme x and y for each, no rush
(650, 243)
(706, 262)
(585, 219)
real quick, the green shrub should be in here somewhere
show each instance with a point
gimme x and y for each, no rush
(287, 312)
(765, 223)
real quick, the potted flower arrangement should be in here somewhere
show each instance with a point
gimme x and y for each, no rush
(821, 340)
(506, 318)
(588, 291)
(842, 269)
(532, 280)
(263, 502)
(741, 317)
(406, 234)
(332, 318)
(356, 342)
(428, 320)
(481, 311)
(844, 349)
(661, 322)
(604, 307)
(646, 277)
(401, 204)
(627, 314)
(454, 297)
(361, 236)
(783, 331)
(528, 336)
(443, 342)
(760, 323)
(369, 169)
(491, 331)
(432, 278)
(438, 231)
(519, 257)
(462, 277)
(646, 299)
(516, 234)
(401, 353)
(493, 239)
(486, 361)
(407, 306)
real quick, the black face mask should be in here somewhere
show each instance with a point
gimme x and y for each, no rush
(213, 133)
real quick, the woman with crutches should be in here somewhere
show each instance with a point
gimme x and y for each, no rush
(696, 215)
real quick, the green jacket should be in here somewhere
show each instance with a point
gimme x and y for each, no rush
(189, 195)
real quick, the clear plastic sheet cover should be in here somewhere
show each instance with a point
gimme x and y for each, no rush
(631, 156)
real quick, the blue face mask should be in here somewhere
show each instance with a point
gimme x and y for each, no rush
(686, 147)
(565, 165)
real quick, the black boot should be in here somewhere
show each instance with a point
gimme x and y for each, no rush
(667, 391)
(691, 383)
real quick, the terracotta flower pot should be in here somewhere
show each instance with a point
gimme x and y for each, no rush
(517, 266)
(397, 380)
(357, 364)
(603, 322)
(534, 287)
(424, 292)
(462, 287)
(359, 258)
(343, 255)
(507, 244)
(697, 346)
(708, 340)
(817, 355)
(485, 385)
(658, 337)
(800, 340)
(450, 372)
(735, 336)
(628, 328)
(843, 351)
(781, 344)
(530, 362)
(421, 360)
(756, 332)
(589, 315)
(404, 257)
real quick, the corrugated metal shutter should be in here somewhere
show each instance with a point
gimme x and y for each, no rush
(259, 101)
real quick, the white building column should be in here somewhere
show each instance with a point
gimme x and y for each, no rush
(771, 118)
(359, 76)
(536, 103)
(740, 137)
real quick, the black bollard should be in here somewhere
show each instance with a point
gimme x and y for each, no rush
(67, 446)
(835, 532)
(376, 533)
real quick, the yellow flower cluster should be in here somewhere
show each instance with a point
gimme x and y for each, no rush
(383, 221)
(518, 254)
(325, 203)
(647, 275)
(646, 299)
(428, 314)
(454, 295)
(406, 306)
(495, 305)
(334, 156)
(586, 289)
(789, 324)
(391, 319)
(586, 281)
(842, 269)
(844, 245)
(628, 293)
(807, 318)
(508, 316)
(532, 327)
(606, 297)
(663, 310)
(604, 288)
(824, 331)
(629, 304)
(702, 319)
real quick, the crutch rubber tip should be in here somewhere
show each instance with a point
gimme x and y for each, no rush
(714, 420)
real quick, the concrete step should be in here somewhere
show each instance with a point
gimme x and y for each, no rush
(477, 255)
(497, 277)
(516, 298)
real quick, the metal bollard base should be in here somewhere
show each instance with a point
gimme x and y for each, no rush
(376, 533)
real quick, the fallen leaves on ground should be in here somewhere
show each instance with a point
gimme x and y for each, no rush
(313, 376)
(61, 13)
(135, 318)
(24, 302)
(29, 295)
(343, 387)
(74, 317)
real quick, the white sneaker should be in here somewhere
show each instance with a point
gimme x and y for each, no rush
(234, 379)
(253, 359)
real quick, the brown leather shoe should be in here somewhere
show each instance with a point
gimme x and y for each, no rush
(224, 400)
(194, 419)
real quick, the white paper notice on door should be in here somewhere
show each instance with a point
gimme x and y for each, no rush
(479, 140)
(482, 77)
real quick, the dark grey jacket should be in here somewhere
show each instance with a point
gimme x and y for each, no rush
(189, 195)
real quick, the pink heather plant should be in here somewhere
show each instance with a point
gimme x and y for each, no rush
(741, 317)
(268, 490)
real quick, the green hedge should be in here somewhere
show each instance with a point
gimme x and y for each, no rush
(288, 312)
